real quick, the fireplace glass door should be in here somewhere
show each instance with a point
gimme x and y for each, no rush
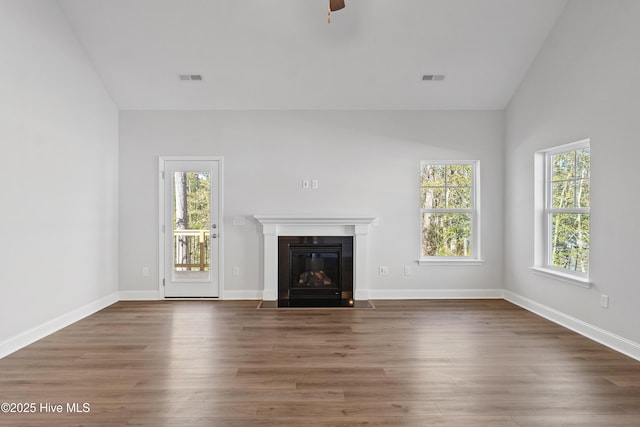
(315, 271)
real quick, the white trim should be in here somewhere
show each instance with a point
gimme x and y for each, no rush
(583, 282)
(140, 295)
(220, 225)
(450, 262)
(609, 339)
(475, 211)
(314, 225)
(435, 294)
(571, 146)
(543, 262)
(221, 230)
(36, 333)
(160, 224)
(292, 220)
(242, 295)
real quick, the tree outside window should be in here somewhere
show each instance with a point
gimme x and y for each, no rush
(568, 210)
(447, 208)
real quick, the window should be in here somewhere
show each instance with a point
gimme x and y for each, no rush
(567, 208)
(449, 211)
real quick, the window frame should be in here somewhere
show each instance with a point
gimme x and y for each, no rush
(543, 263)
(474, 210)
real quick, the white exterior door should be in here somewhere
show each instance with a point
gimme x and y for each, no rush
(190, 203)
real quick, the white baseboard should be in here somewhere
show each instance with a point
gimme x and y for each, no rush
(139, 295)
(436, 294)
(242, 295)
(34, 334)
(155, 295)
(609, 339)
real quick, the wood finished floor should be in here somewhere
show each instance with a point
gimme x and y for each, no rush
(410, 363)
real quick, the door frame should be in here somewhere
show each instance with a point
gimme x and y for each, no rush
(160, 221)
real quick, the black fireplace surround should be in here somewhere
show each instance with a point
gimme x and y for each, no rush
(315, 271)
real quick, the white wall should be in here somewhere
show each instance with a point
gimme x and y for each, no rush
(366, 163)
(58, 166)
(584, 84)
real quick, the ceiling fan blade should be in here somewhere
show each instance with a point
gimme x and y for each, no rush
(336, 5)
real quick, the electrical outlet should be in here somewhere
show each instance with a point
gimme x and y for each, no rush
(384, 270)
(604, 301)
(407, 270)
(145, 271)
(235, 271)
(314, 183)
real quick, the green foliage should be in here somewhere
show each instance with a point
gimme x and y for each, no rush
(191, 244)
(198, 203)
(570, 192)
(443, 188)
(196, 197)
(570, 184)
(446, 234)
(570, 241)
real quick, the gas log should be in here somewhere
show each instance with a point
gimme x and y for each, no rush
(315, 278)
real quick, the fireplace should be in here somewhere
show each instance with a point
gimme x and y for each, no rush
(276, 226)
(315, 271)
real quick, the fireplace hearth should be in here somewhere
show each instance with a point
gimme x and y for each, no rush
(315, 271)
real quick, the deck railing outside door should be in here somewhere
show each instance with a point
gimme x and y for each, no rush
(191, 250)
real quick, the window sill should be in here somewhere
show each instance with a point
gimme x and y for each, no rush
(583, 282)
(450, 262)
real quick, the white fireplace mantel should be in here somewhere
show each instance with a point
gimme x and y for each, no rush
(313, 225)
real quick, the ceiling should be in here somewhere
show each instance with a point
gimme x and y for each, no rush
(259, 54)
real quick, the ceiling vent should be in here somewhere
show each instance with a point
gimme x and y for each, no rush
(433, 77)
(190, 77)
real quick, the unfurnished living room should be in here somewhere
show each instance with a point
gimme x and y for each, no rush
(319, 213)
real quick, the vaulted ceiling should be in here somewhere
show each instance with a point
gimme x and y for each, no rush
(259, 54)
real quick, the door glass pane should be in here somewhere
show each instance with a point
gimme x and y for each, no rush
(191, 222)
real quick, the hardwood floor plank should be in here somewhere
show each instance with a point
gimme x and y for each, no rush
(409, 363)
(430, 421)
(577, 420)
